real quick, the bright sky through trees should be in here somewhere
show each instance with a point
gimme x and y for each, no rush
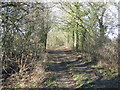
(111, 19)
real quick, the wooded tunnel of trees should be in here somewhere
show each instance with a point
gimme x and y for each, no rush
(59, 44)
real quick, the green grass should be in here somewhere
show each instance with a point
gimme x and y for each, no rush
(51, 81)
(81, 79)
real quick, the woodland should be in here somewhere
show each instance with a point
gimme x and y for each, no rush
(59, 45)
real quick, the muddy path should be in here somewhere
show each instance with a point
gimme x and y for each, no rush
(71, 70)
(58, 66)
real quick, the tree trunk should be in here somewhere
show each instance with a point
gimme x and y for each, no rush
(77, 40)
(74, 40)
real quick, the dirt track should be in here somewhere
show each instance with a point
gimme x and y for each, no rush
(66, 63)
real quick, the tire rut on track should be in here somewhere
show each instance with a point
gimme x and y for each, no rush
(57, 63)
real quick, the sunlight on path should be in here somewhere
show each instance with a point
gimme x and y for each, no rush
(58, 66)
(72, 70)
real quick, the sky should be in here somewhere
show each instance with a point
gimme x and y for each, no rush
(111, 9)
(112, 13)
(62, 0)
